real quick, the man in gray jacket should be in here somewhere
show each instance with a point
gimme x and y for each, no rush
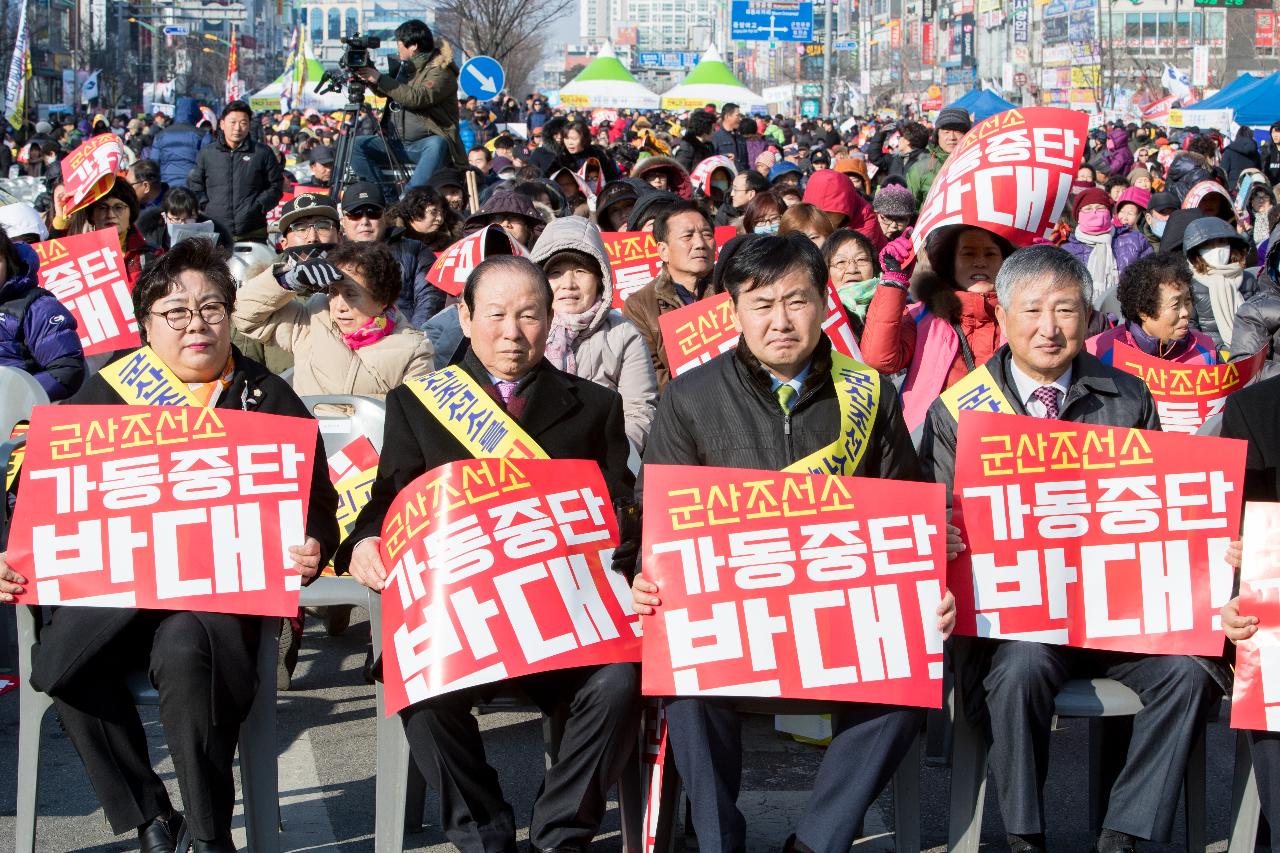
(1009, 685)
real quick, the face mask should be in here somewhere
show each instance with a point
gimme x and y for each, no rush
(1095, 221)
(1157, 227)
(769, 228)
(1218, 256)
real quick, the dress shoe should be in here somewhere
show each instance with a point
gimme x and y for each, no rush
(221, 846)
(161, 834)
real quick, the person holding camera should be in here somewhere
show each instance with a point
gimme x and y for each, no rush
(422, 109)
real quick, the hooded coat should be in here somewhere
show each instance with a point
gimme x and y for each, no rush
(833, 192)
(175, 148)
(426, 90)
(1186, 170)
(1257, 325)
(37, 333)
(678, 180)
(1241, 154)
(611, 351)
(1119, 158)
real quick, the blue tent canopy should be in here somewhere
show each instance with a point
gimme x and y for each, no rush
(981, 103)
(1259, 104)
(1221, 99)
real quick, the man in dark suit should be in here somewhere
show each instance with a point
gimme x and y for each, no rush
(1009, 685)
(506, 314)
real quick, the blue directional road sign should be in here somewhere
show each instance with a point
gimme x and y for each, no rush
(481, 77)
(771, 20)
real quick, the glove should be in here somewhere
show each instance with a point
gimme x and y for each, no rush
(311, 277)
(897, 260)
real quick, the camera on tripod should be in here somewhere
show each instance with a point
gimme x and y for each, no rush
(355, 56)
(357, 53)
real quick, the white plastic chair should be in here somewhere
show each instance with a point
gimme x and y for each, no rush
(367, 418)
(19, 394)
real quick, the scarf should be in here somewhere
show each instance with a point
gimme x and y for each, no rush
(856, 295)
(370, 333)
(565, 330)
(208, 393)
(1102, 266)
(1223, 284)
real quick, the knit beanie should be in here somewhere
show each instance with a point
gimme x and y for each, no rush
(895, 201)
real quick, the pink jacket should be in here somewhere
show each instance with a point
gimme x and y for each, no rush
(1199, 352)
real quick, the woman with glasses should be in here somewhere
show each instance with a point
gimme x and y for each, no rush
(202, 664)
(426, 216)
(118, 209)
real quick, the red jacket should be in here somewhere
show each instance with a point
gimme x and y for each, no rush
(833, 192)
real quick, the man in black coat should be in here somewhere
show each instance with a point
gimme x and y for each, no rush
(728, 141)
(238, 181)
(766, 405)
(506, 313)
(1009, 685)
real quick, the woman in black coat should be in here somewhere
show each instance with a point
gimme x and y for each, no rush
(202, 664)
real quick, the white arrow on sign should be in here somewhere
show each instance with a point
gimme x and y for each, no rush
(486, 83)
(773, 27)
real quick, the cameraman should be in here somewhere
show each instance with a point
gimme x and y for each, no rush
(422, 108)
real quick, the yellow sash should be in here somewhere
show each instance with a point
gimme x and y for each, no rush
(142, 379)
(472, 416)
(977, 392)
(858, 394)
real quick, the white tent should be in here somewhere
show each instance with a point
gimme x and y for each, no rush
(606, 83)
(711, 82)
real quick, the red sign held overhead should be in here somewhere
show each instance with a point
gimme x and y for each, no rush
(87, 274)
(793, 586)
(499, 568)
(454, 264)
(163, 507)
(89, 171)
(1093, 536)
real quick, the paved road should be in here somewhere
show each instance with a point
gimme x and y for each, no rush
(326, 731)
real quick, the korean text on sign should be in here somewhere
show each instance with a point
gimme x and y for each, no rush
(1011, 174)
(86, 273)
(454, 264)
(1093, 536)
(1255, 700)
(89, 171)
(171, 508)
(633, 256)
(795, 586)
(1186, 395)
(499, 568)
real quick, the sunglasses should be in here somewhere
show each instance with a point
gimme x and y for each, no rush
(363, 213)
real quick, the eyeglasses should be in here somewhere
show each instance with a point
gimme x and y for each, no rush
(363, 213)
(322, 226)
(212, 313)
(841, 263)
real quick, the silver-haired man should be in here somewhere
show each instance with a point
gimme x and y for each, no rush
(1009, 685)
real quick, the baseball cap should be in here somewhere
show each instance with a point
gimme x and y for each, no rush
(363, 194)
(305, 205)
(322, 154)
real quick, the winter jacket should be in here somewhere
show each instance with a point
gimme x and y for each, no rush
(1186, 170)
(611, 351)
(1127, 246)
(419, 299)
(724, 414)
(1197, 347)
(1119, 158)
(426, 91)
(920, 338)
(1202, 317)
(1241, 154)
(323, 363)
(731, 144)
(238, 187)
(690, 151)
(1270, 157)
(677, 175)
(833, 192)
(650, 302)
(37, 333)
(1257, 325)
(593, 152)
(923, 171)
(537, 118)
(548, 158)
(176, 147)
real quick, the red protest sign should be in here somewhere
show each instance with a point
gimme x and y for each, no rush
(454, 264)
(633, 255)
(699, 332)
(87, 274)
(163, 507)
(793, 586)
(89, 171)
(500, 568)
(1011, 174)
(1186, 395)
(1255, 698)
(1097, 537)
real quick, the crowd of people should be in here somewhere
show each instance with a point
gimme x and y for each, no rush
(1169, 245)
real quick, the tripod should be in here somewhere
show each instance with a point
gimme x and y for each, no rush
(355, 110)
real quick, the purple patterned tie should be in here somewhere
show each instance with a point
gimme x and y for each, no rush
(1048, 396)
(506, 388)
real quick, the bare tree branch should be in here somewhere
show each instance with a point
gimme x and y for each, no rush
(511, 31)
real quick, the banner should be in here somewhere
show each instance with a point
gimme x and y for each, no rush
(1186, 395)
(1255, 698)
(352, 471)
(1097, 537)
(1010, 174)
(500, 568)
(169, 508)
(15, 90)
(90, 170)
(633, 255)
(699, 332)
(87, 274)
(793, 586)
(454, 264)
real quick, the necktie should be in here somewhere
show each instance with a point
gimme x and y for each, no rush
(506, 388)
(1048, 395)
(785, 394)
